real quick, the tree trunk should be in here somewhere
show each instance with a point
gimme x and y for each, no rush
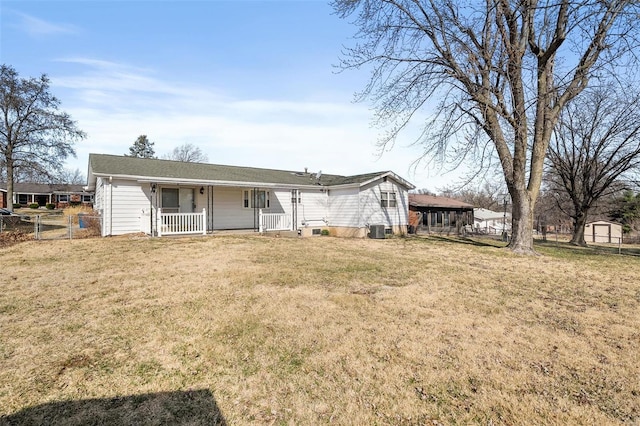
(521, 223)
(578, 230)
(9, 184)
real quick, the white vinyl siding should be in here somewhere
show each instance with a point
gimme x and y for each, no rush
(373, 213)
(313, 209)
(121, 204)
(343, 207)
(228, 212)
(129, 199)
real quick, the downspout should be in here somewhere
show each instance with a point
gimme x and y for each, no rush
(359, 215)
(110, 205)
(151, 195)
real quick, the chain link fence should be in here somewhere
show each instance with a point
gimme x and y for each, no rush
(52, 226)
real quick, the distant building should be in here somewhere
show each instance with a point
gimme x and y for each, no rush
(603, 231)
(490, 222)
(60, 195)
(431, 213)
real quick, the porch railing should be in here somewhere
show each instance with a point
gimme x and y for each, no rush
(181, 223)
(274, 222)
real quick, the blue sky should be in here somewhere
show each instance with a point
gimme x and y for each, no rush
(252, 83)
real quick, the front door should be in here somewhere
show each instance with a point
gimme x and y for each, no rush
(186, 200)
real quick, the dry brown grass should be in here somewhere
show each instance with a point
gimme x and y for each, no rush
(317, 330)
(73, 211)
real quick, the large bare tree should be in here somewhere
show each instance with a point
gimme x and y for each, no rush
(595, 145)
(502, 71)
(188, 153)
(35, 137)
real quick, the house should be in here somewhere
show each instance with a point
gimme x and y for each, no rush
(602, 231)
(60, 195)
(160, 197)
(432, 213)
(490, 222)
(3, 198)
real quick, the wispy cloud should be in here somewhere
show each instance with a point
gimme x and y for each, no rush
(37, 27)
(114, 103)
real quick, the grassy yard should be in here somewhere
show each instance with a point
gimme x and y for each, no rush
(261, 330)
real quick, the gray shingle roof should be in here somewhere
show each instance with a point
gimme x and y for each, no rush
(113, 165)
(424, 200)
(43, 188)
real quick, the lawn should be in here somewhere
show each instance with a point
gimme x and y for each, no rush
(263, 330)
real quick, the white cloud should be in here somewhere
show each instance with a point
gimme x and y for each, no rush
(115, 103)
(37, 27)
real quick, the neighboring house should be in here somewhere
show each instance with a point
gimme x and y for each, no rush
(61, 195)
(3, 198)
(603, 231)
(431, 213)
(490, 222)
(160, 197)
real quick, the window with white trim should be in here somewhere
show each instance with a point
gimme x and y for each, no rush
(255, 199)
(63, 198)
(388, 199)
(295, 197)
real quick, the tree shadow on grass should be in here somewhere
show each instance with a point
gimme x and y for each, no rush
(194, 407)
(589, 250)
(480, 242)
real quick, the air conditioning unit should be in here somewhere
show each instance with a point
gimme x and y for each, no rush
(376, 231)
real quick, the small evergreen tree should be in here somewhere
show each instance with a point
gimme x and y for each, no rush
(627, 211)
(142, 148)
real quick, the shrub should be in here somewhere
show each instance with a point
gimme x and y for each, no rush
(34, 206)
(92, 225)
(50, 206)
(324, 232)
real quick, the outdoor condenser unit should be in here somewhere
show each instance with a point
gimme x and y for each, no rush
(376, 231)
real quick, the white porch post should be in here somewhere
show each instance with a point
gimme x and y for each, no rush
(159, 222)
(260, 221)
(204, 221)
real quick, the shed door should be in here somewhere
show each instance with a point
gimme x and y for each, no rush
(601, 233)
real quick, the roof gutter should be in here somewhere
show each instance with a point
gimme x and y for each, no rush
(178, 181)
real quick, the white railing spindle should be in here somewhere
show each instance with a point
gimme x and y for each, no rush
(182, 223)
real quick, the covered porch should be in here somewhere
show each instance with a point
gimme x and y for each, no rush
(191, 209)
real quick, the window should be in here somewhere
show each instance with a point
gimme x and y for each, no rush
(255, 199)
(295, 197)
(170, 200)
(63, 198)
(87, 198)
(22, 199)
(388, 199)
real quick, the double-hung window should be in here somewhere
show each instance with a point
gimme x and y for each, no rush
(255, 199)
(295, 197)
(388, 199)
